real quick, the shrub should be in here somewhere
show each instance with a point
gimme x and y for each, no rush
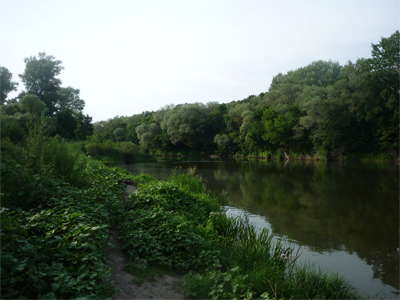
(126, 152)
(189, 183)
(58, 252)
(51, 252)
(231, 284)
(166, 238)
(171, 197)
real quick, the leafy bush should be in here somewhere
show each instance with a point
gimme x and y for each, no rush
(31, 171)
(166, 238)
(189, 183)
(58, 252)
(164, 225)
(52, 251)
(127, 152)
(171, 197)
(217, 284)
(52, 155)
(143, 179)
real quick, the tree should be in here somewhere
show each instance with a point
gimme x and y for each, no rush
(279, 128)
(6, 85)
(223, 143)
(68, 98)
(149, 135)
(40, 79)
(386, 54)
(119, 134)
(385, 65)
(84, 127)
(33, 105)
(186, 125)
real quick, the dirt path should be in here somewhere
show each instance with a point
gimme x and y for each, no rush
(162, 287)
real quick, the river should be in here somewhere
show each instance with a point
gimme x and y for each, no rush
(344, 218)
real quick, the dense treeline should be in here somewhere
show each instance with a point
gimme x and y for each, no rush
(58, 205)
(43, 98)
(323, 109)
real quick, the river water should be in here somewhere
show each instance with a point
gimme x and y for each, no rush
(344, 218)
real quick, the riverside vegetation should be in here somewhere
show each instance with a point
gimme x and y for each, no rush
(58, 204)
(58, 207)
(321, 111)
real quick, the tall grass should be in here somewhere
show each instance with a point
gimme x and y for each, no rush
(52, 155)
(189, 183)
(254, 265)
(32, 169)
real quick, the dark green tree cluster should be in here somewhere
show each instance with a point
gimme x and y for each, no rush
(323, 108)
(43, 97)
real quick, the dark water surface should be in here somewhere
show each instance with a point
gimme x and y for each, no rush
(344, 217)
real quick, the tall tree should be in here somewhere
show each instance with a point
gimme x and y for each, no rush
(40, 79)
(6, 84)
(69, 99)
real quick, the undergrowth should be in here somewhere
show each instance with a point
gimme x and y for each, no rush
(57, 209)
(174, 225)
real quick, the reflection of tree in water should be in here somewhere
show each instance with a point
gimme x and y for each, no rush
(324, 207)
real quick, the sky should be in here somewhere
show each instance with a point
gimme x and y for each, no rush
(131, 56)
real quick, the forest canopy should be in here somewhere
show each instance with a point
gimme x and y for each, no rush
(323, 107)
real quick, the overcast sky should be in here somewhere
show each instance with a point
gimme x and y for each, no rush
(127, 57)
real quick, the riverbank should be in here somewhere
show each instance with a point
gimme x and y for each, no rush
(175, 226)
(367, 158)
(61, 207)
(166, 226)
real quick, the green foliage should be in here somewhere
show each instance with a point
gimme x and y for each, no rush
(217, 284)
(58, 251)
(55, 247)
(52, 155)
(40, 78)
(223, 143)
(13, 129)
(31, 172)
(253, 266)
(320, 108)
(189, 183)
(163, 225)
(307, 283)
(175, 196)
(6, 84)
(143, 179)
(158, 236)
(118, 151)
(44, 96)
(33, 105)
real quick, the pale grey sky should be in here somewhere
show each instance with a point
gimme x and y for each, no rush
(130, 56)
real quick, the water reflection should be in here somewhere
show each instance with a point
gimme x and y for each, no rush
(345, 217)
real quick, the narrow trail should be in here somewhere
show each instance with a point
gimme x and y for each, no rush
(161, 287)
